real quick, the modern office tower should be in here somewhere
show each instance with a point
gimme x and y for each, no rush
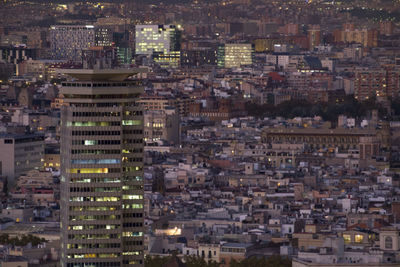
(160, 41)
(101, 169)
(67, 42)
(152, 39)
(20, 153)
(124, 51)
(235, 55)
(103, 36)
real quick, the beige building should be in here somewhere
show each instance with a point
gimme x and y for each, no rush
(20, 154)
(162, 102)
(35, 178)
(162, 125)
(210, 252)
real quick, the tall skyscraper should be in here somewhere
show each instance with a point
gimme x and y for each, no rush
(68, 41)
(101, 170)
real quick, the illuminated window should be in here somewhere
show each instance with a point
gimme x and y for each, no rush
(90, 142)
(129, 234)
(89, 170)
(132, 197)
(347, 238)
(131, 122)
(358, 238)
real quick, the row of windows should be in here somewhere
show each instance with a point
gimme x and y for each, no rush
(132, 169)
(94, 227)
(133, 243)
(93, 236)
(96, 114)
(93, 255)
(95, 142)
(132, 131)
(93, 123)
(99, 84)
(111, 208)
(96, 133)
(95, 151)
(104, 105)
(133, 141)
(133, 113)
(132, 215)
(91, 246)
(132, 196)
(131, 122)
(95, 264)
(131, 234)
(95, 180)
(95, 161)
(94, 170)
(109, 180)
(117, 96)
(132, 206)
(133, 150)
(94, 199)
(132, 187)
(94, 189)
(126, 159)
(94, 217)
(133, 224)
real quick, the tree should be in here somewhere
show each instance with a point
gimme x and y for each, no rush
(273, 261)
(155, 261)
(195, 261)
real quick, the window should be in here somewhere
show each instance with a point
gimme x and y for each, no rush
(131, 122)
(358, 238)
(347, 238)
(388, 242)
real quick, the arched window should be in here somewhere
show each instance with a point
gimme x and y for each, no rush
(388, 242)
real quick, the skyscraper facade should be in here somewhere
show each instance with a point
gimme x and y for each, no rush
(101, 173)
(151, 39)
(162, 42)
(68, 41)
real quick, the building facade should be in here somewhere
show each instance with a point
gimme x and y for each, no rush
(101, 173)
(235, 55)
(68, 41)
(151, 39)
(20, 154)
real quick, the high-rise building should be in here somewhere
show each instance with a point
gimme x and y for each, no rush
(151, 39)
(101, 169)
(68, 41)
(162, 42)
(235, 55)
